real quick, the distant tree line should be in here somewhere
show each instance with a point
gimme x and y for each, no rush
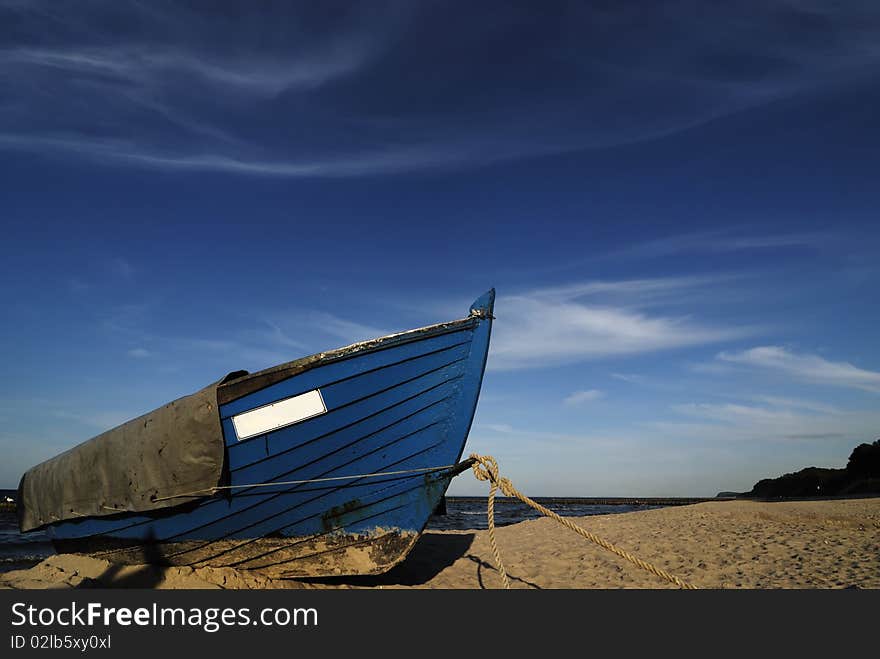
(861, 476)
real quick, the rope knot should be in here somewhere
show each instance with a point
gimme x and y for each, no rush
(506, 486)
(485, 468)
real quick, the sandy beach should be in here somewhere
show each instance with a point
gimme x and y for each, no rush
(724, 544)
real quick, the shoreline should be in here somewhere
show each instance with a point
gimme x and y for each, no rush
(629, 501)
(716, 544)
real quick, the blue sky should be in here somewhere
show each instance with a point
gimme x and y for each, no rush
(677, 206)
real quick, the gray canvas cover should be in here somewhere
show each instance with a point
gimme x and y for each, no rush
(173, 450)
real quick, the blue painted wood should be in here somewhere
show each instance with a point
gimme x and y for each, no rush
(403, 406)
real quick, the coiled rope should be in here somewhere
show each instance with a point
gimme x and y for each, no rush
(486, 469)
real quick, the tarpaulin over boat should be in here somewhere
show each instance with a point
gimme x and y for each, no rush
(173, 450)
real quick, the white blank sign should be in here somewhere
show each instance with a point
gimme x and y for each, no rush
(277, 415)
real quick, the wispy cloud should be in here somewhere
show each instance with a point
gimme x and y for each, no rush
(657, 383)
(735, 413)
(122, 268)
(524, 439)
(631, 378)
(496, 427)
(252, 159)
(77, 286)
(782, 420)
(798, 404)
(145, 68)
(722, 240)
(633, 292)
(311, 331)
(275, 338)
(582, 397)
(128, 319)
(186, 90)
(345, 330)
(280, 337)
(179, 88)
(806, 367)
(554, 326)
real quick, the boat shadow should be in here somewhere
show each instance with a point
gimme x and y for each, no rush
(146, 576)
(119, 575)
(432, 553)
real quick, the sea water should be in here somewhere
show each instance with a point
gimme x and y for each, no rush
(463, 513)
(20, 550)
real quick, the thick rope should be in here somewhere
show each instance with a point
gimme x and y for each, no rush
(486, 469)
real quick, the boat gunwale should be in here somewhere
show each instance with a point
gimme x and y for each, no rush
(233, 390)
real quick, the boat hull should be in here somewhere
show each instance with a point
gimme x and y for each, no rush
(334, 551)
(345, 491)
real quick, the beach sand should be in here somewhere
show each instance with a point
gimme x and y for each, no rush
(724, 544)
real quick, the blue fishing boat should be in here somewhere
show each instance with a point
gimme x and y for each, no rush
(327, 465)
